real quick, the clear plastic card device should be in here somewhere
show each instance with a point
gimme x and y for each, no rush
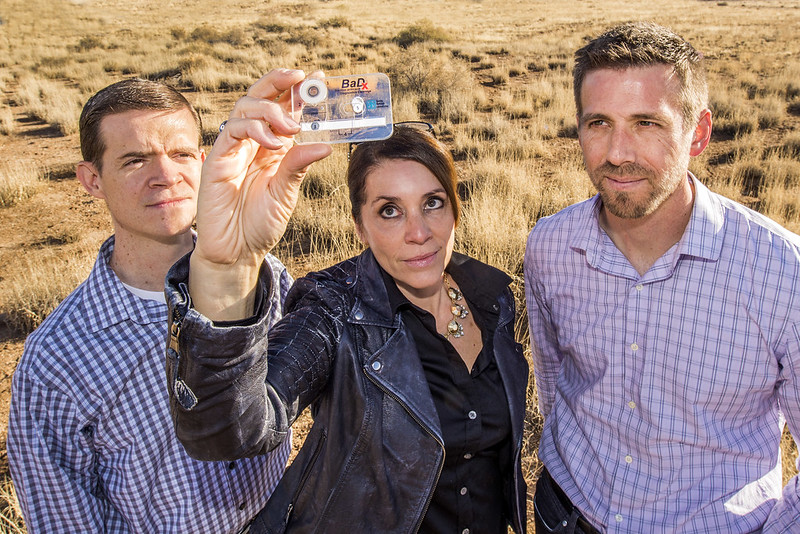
(343, 109)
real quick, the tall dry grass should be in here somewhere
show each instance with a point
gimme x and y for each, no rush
(493, 76)
(36, 290)
(19, 180)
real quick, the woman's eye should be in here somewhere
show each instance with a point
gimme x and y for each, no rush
(434, 203)
(388, 212)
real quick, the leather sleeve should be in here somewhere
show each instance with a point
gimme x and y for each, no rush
(221, 403)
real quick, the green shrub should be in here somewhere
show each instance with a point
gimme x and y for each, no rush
(421, 32)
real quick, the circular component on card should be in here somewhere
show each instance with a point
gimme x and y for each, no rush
(358, 104)
(313, 91)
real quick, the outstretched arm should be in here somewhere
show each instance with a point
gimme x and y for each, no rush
(249, 188)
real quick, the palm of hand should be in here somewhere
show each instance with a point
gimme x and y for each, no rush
(243, 216)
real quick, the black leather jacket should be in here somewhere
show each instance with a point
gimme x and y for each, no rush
(373, 456)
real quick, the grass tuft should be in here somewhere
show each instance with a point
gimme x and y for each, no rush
(19, 180)
(421, 32)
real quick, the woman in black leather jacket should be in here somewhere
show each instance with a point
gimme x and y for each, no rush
(405, 353)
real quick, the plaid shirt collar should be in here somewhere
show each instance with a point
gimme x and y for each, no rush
(113, 303)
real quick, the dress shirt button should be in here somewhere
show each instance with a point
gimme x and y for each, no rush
(632, 405)
(376, 366)
(359, 315)
(634, 347)
(629, 459)
(468, 456)
(463, 491)
(232, 466)
(472, 414)
(618, 518)
(639, 287)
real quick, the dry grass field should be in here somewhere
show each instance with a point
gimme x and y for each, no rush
(493, 76)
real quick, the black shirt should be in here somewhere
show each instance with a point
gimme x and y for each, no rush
(472, 408)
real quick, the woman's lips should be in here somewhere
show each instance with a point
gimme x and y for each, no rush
(423, 260)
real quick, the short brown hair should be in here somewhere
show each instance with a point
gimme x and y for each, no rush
(406, 144)
(128, 95)
(642, 44)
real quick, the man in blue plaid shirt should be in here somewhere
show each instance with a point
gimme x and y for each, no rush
(90, 441)
(665, 318)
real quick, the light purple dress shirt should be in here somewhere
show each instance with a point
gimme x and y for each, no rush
(665, 395)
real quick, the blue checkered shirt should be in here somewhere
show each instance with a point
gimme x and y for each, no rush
(665, 395)
(90, 439)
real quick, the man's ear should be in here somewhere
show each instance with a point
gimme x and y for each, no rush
(202, 154)
(89, 177)
(702, 133)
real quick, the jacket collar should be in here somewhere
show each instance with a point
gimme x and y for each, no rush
(374, 304)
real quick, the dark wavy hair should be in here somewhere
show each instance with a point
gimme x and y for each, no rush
(405, 144)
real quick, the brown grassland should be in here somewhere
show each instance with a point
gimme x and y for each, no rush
(493, 76)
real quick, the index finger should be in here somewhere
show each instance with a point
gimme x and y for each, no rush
(275, 82)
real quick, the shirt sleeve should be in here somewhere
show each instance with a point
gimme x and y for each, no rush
(785, 515)
(544, 341)
(52, 463)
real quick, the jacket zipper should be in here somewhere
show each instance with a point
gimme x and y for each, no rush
(431, 434)
(312, 461)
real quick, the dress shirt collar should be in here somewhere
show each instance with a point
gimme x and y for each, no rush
(703, 237)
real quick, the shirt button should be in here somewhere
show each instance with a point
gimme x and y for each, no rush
(634, 347)
(463, 491)
(618, 518)
(472, 414)
(359, 315)
(639, 287)
(376, 366)
(468, 456)
(232, 465)
(629, 459)
(632, 405)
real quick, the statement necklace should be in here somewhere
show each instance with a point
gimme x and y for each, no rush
(454, 328)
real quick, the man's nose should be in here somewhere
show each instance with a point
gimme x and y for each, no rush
(164, 172)
(620, 147)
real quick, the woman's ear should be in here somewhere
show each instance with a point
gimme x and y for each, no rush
(359, 231)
